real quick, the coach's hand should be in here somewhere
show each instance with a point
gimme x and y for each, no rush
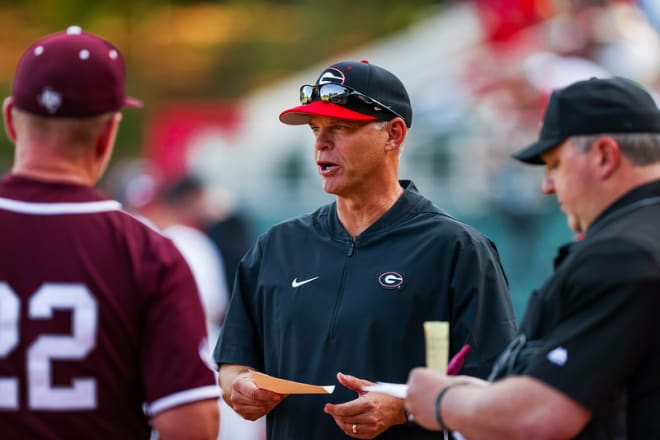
(250, 401)
(369, 415)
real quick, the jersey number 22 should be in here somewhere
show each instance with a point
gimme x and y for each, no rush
(42, 395)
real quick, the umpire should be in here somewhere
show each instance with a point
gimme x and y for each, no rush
(587, 362)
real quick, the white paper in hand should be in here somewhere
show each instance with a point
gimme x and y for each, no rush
(399, 390)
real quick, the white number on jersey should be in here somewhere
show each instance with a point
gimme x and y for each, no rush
(42, 395)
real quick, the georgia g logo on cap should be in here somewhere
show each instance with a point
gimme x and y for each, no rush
(331, 75)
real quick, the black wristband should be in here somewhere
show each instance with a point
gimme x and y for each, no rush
(438, 400)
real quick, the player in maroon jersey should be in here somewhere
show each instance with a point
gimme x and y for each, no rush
(102, 332)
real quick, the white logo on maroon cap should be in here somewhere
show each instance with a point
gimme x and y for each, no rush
(50, 100)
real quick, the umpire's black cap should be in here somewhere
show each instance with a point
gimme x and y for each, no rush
(593, 106)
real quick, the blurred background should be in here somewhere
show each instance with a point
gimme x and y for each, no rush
(208, 161)
(215, 75)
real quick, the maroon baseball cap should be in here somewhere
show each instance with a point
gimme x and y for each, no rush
(71, 74)
(354, 91)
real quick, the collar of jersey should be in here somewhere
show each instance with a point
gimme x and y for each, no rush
(407, 205)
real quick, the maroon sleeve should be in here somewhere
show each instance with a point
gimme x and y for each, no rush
(174, 370)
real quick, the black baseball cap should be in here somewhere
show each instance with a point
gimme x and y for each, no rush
(382, 86)
(593, 106)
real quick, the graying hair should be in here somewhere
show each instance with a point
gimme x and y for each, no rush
(641, 148)
(381, 125)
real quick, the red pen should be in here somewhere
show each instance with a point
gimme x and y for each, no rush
(456, 362)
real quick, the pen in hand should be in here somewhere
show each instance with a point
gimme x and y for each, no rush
(456, 362)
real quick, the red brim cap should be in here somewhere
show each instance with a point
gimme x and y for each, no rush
(303, 113)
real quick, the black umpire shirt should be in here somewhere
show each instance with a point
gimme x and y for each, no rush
(597, 317)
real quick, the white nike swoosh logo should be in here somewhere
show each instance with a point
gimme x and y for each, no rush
(295, 283)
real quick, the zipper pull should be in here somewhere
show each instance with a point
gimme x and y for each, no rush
(351, 249)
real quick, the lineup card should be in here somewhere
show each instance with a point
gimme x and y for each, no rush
(436, 335)
(277, 385)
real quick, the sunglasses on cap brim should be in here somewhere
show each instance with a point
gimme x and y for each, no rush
(338, 94)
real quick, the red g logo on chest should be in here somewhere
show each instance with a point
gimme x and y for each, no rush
(390, 280)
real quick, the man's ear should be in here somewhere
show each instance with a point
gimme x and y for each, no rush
(396, 130)
(608, 156)
(107, 137)
(105, 145)
(7, 107)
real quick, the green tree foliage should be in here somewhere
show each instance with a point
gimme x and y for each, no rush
(215, 50)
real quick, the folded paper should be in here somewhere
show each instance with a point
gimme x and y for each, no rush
(282, 386)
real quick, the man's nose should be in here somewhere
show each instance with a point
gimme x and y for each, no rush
(322, 141)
